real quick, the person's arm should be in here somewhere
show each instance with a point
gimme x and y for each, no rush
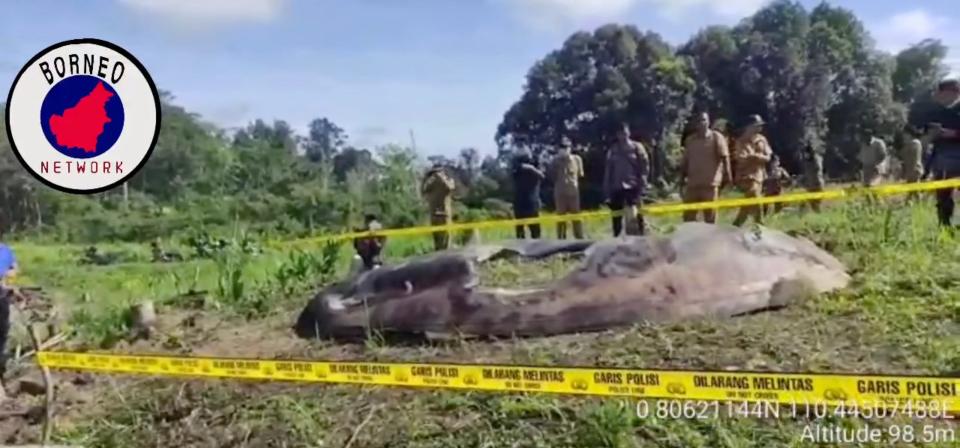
(447, 182)
(785, 177)
(944, 133)
(928, 162)
(643, 171)
(736, 153)
(765, 153)
(684, 164)
(533, 170)
(607, 187)
(580, 171)
(426, 184)
(723, 153)
(880, 149)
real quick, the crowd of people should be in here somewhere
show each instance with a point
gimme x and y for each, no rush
(715, 156)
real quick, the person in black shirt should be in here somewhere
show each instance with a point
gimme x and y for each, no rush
(526, 193)
(8, 269)
(943, 131)
(369, 248)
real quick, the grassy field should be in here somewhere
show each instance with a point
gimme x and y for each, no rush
(900, 315)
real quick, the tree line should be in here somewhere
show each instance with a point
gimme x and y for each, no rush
(814, 76)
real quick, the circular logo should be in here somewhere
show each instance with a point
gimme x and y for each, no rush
(83, 116)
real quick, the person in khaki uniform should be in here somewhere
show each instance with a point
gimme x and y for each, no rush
(437, 188)
(873, 165)
(777, 178)
(751, 154)
(912, 156)
(567, 170)
(873, 158)
(705, 167)
(625, 181)
(812, 175)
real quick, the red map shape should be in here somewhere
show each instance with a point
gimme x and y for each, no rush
(81, 125)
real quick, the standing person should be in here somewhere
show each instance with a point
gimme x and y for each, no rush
(943, 131)
(369, 248)
(8, 269)
(705, 167)
(625, 181)
(912, 156)
(437, 188)
(526, 193)
(873, 158)
(812, 174)
(777, 178)
(567, 170)
(751, 153)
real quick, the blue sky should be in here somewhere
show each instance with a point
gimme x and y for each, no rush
(446, 69)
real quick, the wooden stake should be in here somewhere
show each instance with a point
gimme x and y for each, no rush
(48, 389)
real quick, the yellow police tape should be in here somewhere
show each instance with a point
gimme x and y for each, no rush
(935, 394)
(655, 209)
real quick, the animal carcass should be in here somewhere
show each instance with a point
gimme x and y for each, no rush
(699, 270)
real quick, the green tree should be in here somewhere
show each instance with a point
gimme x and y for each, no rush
(187, 160)
(591, 84)
(324, 140)
(918, 69)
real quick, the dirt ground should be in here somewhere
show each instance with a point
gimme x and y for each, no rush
(217, 413)
(899, 315)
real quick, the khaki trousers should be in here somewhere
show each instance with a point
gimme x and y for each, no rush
(694, 194)
(751, 189)
(567, 201)
(441, 239)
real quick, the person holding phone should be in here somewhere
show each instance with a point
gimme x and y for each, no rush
(943, 133)
(526, 193)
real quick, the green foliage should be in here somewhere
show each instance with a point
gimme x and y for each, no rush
(306, 269)
(815, 76)
(103, 327)
(231, 280)
(206, 246)
(595, 81)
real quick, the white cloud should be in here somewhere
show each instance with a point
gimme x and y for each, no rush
(906, 28)
(727, 9)
(954, 63)
(551, 15)
(208, 12)
(554, 14)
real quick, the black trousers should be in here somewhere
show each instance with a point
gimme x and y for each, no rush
(620, 199)
(6, 296)
(945, 204)
(527, 209)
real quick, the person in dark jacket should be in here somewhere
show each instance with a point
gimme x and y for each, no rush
(943, 132)
(526, 193)
(625, 181)
(8, 269)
